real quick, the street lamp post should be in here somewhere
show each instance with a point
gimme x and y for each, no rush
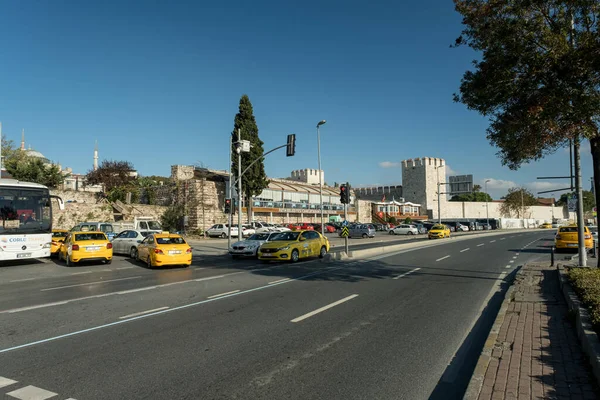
(487, 212)
(322, 122)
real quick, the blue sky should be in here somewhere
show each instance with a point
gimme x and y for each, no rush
(158, 83)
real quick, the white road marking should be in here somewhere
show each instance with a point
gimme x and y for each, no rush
(502, 238)
(480, 244)
(143, 312)
(443, 258)
(98, 327)
(406, 273)
(511, 261)
(280, 280)
(515, 257)
(463, 250)
(327, 307)
(492, 241)
(121, 268)
(508, 266)
(6, 382)
(84, 272)
(517, 254)
(91, 283)
(222, 294)
(23, 280)
(31, 393)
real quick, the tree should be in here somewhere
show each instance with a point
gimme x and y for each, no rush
(588, 200)
(537, 79)
(30, 169)
(112, 175)
(475, 196)
(517, 202)
(408, 220)
(476, 188)
(255, 179)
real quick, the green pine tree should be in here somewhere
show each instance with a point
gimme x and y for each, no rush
(254, 180)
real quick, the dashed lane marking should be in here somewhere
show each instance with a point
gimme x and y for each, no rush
(280, 280)
(320, 310)
(492, 241)
(463, 250)
(480, 244)
(143, 312)
(23, 280)
(91, 283)
(508, 266)
(511, 261)
(443, 258)
(222, 294)
(6, 382)
(406, 273)
(502, 238)
(81, 273)
(31, 393)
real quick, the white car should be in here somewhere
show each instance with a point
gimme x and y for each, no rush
(404, 229)
(462, 228)
(126, 242)
(247, 230)
(250, 246)
(280, 228)
(220, 230)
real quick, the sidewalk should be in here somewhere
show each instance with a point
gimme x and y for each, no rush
(536, 353)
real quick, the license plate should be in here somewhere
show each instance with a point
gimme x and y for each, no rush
(571, 245)
(174, 251)
(267, 255)
(23, 255)
(92, 248)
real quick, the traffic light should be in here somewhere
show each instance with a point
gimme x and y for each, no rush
(343, 194)
(227, 206)
(291, 145)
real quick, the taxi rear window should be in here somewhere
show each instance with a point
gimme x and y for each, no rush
(170, 240)
(89, 236)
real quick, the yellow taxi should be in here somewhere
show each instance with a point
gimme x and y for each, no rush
(294, 245)
(58, 236)
(546, 225)
(566, 238)
(439, 231)
(85, 246)
(165, 248)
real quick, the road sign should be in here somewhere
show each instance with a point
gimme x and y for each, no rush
(345, 223)
(345, 231)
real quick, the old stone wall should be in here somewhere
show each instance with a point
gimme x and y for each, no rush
(458, 209)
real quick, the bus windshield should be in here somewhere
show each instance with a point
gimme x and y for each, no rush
(25, 210)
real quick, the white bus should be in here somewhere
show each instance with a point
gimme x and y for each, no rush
(26, 220)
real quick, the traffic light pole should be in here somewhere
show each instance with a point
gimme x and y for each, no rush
(229, 216)
(346, 219)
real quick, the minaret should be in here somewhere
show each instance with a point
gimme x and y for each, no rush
(23, 139)
(96, 156)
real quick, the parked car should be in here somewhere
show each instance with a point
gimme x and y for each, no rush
(292, 246)
(105, 227)
(220, 230)
(594, 231)
(247, 230)
(127, 242)
(250, 246)
(280, 228)
(293, 227)
(160, 249)
(567, 238)
(439, 231)
(546, 225)
(328, 228)
(486, 226)
(404, 229)
(305, 226)
(85, 246)
(421, 228)
(361, 230)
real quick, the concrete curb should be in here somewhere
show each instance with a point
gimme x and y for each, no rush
(476, 382)
(587, 336)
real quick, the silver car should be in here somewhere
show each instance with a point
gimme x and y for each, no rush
(249, 247)
(361, 230)
(126, 242)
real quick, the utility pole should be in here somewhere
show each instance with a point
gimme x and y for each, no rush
(1, 163)
(439, 202)
(487, 211)
(345, 219)
(229, 219)
(239, 151)
(523, 207)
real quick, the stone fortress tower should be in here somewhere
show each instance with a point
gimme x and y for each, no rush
(420, 177)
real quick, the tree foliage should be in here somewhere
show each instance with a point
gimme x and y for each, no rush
(476, 188)
(517, 202)
(171, 219)
(588, 200)
(255, 179)
(30, 169)
(112, 175)
(538, 89)
(475, 196)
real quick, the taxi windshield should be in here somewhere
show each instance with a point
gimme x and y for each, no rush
(286, 236)
(439, 227)
(170, 240)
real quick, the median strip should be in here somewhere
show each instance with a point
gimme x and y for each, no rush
(143, 312)
(327, 307)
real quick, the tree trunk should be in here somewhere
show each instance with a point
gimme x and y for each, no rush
(595, 146)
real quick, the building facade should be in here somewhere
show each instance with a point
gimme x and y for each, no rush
(307, 175)
(420, 178)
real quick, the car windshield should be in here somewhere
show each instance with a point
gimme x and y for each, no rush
(286, 236)
(259, 236)
(154, 225)
(170, 240)
(59, 234)
(144, 233)
(80, 237)
(438, 227)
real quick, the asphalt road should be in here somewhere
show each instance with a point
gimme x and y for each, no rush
(406, 325)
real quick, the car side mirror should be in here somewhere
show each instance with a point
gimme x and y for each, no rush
(139, 241)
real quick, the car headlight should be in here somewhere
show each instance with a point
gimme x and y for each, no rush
(283, 248)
